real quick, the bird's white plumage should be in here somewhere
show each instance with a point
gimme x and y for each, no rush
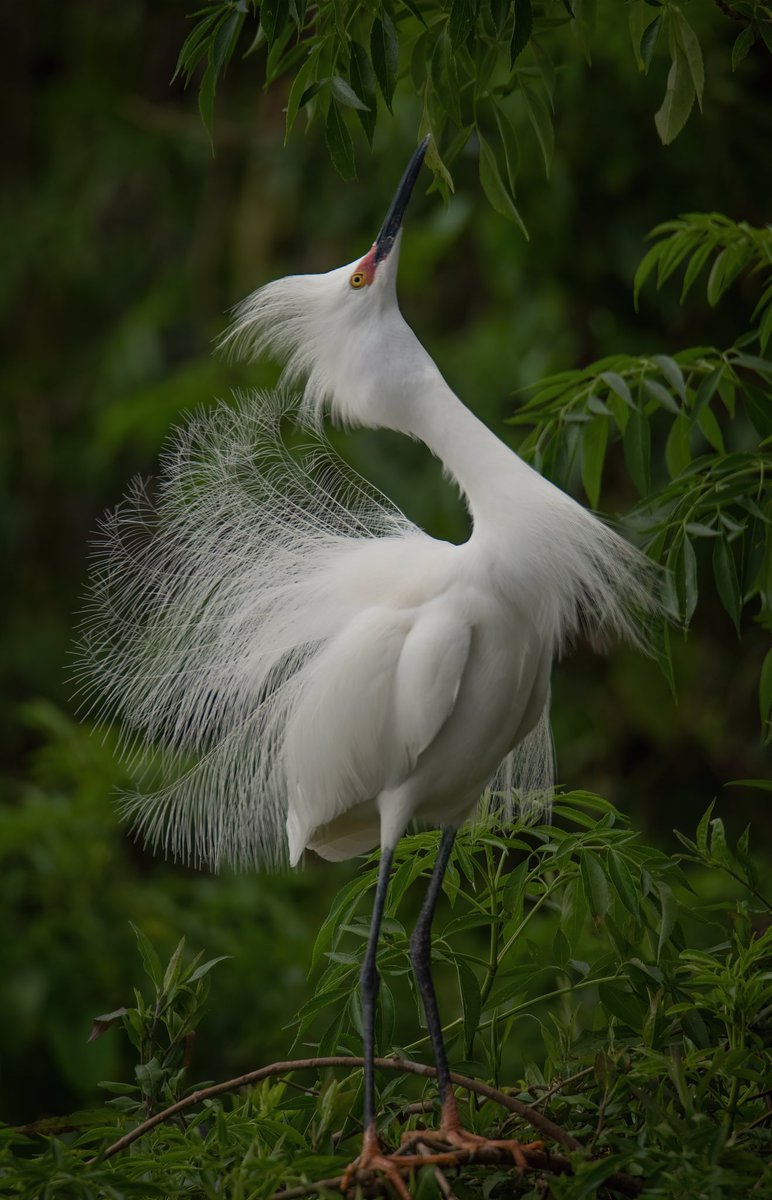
(309, 667)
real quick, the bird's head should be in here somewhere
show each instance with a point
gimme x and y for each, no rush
(341, 333)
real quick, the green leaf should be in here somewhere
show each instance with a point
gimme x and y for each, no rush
(206, 967)
(637, 448)
(619, 386)
(339, 143)
(494, 188)
(678, 446)
(672, 373)
(707, 389)
(512, 149)
(298, 96)
(173, 967)
(645, 267)
(196, 45)
(499, 14)
(655, 391)
(221, 49)
(695, 265)
(384, 51)
(636, 21)
(703, 828)
(727, 583)
(692, 52)
(678, 101)
(690, 588)
(706, 419)
(594, 442)
(742, 45)
(594, 883)
(471, 1002)
(622, 880)
(649, 41)
(273, 18)
(150, 960)
(345, 94)
(102, 1023)
(463, 14)
(622, 1004)
(363, 81)
(521, 34)
(668, 916)
(541, 120)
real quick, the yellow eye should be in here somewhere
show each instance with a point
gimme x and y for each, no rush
(357, 280)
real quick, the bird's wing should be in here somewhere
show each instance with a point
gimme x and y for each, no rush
(375, 699)
(428, 676)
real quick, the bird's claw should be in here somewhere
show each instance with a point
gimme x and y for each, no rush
(458, 1138)
(451, 1134)
(373, 1159)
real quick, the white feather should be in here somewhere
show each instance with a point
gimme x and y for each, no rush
(305, 664)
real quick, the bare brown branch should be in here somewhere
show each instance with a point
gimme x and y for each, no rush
(625, 1184)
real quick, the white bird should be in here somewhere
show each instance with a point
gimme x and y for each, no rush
(312, 670)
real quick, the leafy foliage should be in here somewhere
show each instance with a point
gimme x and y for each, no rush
(483, 69)
(627, 993)
(696, 428)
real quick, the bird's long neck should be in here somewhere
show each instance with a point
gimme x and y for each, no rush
(487, 471)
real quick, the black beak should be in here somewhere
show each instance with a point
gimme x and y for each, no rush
(391, 226)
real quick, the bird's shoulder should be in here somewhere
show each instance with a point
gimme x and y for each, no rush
(395, 572)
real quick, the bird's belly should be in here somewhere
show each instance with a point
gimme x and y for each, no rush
(501, 698)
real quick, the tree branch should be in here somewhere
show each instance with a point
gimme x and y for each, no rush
(370, 1185)
(625, 1184)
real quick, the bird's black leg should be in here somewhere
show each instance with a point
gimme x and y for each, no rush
(369, 983)
(451, 1131)
(421, 954)
(372, 1157)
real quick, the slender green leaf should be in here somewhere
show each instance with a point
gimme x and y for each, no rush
(384, 51)
(655, 391)
(672, 373)
(679, 98)
(345, 94)
(727, 583)
(494, 188)
(690, 588)
(742, 45)
(594, 442)
(649, 41)
(678, 446)
(463, 14)
(339, 143)
(298, 95)
(523, 29)
(692, 52)
(541, 120)
(595, 885)
(362, 77)
(637, 448)
(619, 386)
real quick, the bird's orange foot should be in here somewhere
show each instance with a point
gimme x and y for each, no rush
(451, 1133)
(373, 1159)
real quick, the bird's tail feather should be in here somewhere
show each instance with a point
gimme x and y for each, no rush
(202, 612)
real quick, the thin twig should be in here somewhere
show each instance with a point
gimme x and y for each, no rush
(558, 1087)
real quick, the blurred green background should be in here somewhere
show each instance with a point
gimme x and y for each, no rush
(125, 241)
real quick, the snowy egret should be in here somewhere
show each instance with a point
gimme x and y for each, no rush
(311, 669)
